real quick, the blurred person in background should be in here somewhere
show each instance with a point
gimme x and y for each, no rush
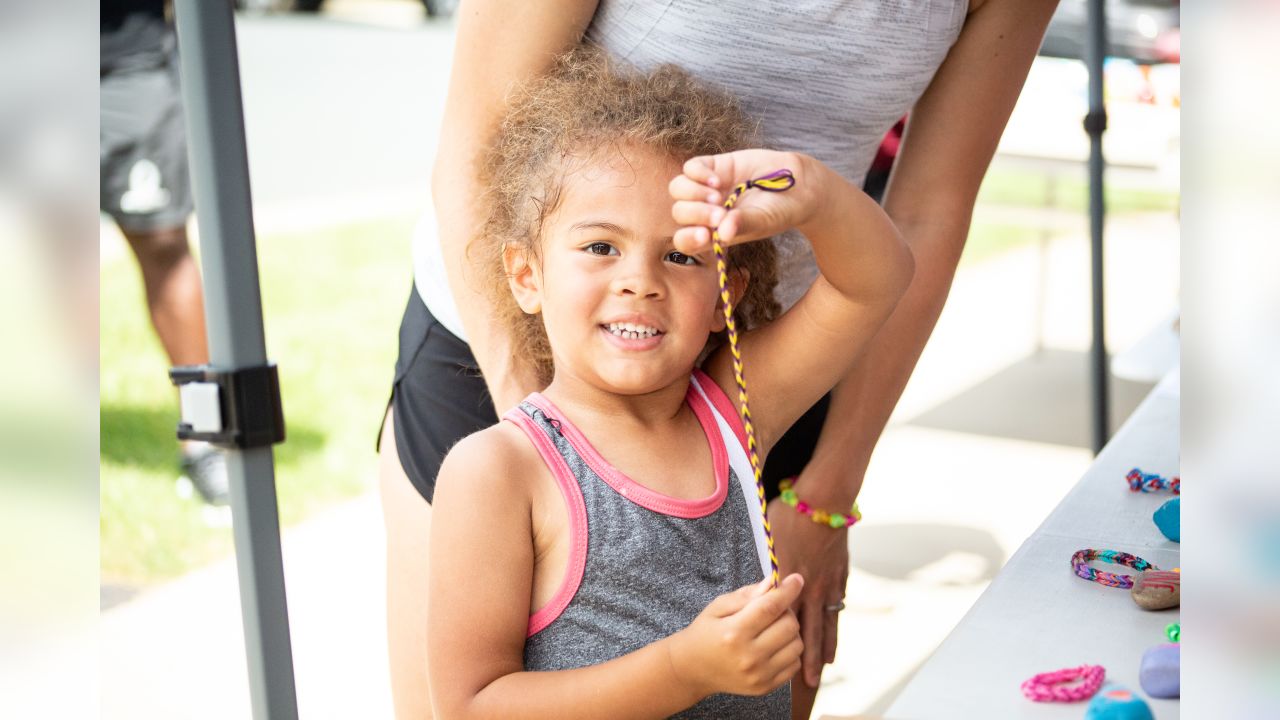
(827, 80)
(146, 188)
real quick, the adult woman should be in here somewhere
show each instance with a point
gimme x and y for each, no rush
(826, 78)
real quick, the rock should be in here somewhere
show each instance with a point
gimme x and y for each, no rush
(1169, 519)
(1157, 589)
(1114, 702)
(1160, 672)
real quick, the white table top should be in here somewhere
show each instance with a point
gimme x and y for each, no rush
(1037, 616)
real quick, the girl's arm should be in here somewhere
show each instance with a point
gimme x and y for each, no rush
(745, 642)
(498, 45)
(864, 268)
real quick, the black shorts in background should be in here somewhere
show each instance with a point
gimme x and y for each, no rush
(439, 398)
(145, 183)
(438, 395)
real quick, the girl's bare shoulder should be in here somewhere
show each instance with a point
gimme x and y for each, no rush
(493, 460)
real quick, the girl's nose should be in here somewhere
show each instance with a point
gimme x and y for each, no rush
(638, 278)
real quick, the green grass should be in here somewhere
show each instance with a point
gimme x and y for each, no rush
(332, 301)
(1014, 187)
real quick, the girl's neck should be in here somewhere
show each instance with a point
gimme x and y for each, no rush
(577, 396)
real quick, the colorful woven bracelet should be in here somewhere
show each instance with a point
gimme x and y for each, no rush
(1047, 687)
(778, 181)
(1080, 564)
(834, 520)
(1150, 482)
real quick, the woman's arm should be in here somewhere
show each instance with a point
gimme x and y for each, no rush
(951, 136)
(482, 566)
(498, 44)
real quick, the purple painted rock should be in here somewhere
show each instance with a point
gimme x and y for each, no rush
(1160, 672)
(1157, 589)
(1114, 702)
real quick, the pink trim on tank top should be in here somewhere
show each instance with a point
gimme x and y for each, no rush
(577, 511)
(634, 491)
(723, 405)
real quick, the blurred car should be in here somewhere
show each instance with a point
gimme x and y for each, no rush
(1145, 31)
(434, 8)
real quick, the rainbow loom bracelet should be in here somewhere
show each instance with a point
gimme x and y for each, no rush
(1047, 687)
(1080, 564)
(1150, 482)
(834, 520)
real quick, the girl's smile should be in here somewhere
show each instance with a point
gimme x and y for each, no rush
(624, 310)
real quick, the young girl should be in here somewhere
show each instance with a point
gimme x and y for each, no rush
(624, 572)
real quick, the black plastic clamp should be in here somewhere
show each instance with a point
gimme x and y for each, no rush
(231, 408)
(1095, 122)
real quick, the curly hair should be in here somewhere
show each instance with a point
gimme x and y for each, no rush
(584, 105)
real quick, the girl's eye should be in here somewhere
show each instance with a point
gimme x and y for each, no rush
(601, 248)
(680, 258)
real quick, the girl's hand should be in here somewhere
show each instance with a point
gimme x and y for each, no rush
(746, 642)
(700, 191)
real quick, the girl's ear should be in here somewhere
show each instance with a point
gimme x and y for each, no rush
(523, 278)
(738, 279)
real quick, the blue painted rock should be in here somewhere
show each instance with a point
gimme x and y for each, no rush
(1114, 702)
(1169, 519)
(1160, 672)
(1157, 589)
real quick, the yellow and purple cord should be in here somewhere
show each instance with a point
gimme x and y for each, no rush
(773, 182)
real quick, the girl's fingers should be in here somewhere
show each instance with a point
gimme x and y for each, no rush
(702, 169)
(692, 240)
(683, 187)
(689, 212)
(780, 634)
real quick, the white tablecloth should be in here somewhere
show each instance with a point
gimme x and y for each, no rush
(1037, 616)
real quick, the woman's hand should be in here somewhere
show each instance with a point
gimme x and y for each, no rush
(746, 642)
(821, 555)
(700, 190)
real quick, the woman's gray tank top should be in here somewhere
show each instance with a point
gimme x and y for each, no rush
(824, 77)
(643, 565)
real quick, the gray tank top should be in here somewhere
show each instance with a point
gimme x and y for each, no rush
(824, 77)
(642, 565)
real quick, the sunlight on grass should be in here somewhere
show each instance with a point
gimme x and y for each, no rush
(332, 300)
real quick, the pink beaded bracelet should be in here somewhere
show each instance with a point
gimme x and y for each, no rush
(1047, 687)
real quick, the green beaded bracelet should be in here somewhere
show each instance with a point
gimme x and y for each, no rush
(833, 520)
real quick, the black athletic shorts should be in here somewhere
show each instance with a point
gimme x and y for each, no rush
(145, 181)
(439, 398)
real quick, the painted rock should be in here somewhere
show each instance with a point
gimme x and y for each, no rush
(1157, 589)
(1160, 672)
(1169, 519)
(1114, 702)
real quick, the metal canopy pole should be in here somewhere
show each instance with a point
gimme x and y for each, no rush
(1095, 123)
(233, 308)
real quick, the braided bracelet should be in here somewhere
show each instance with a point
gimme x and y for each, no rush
(1150, 482)
(1080, 563)
(834, 520)
(1046, 687)
(778, 181)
